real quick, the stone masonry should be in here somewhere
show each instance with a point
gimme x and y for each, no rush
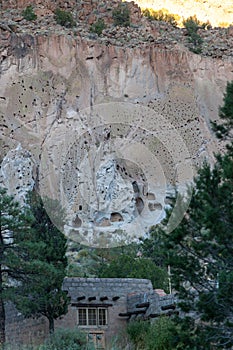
(20, 330)
(105, 292)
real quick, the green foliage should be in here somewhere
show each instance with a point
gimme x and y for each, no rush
(64, 18)
(15, 240)
(165, 334)
(98, 27)
(161, 15)
(66, 339)
(224, 130)
(129, 266)
(29, 14)
(42, 295)
(192, 24)
(200, 249)
(137, 332)
(152, 248)
(200, 253)
(121, 15)
(61, 339)
(160, 335)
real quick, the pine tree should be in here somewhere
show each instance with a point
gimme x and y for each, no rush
(200, 249)
(129, 266)
(224, 129)
(43, 295)
(201, 255)
(15, 233)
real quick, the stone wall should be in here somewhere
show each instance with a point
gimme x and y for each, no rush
(114, 289)
(150, 305)
(24, 331)
(77, 286)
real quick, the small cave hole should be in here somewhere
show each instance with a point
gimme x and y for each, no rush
(151, 196)
(116, 217)
(135, 187)
(155, 206)
(139, 205)
(77, 222)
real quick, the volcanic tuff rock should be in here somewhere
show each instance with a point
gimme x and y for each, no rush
(106, 129)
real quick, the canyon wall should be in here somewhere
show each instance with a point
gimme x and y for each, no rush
(109, 131)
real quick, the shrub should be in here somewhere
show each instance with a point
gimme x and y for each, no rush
(126, 265)
(63, 339)
(163, 333)
(137, 332)
(121, 15)
(206, 25)
(192, 24)
(160, 335)
(29, 14)
(147, 13)
(98, 27)
(225, 24)
(66, 339)
(161, 15)
(64, 18)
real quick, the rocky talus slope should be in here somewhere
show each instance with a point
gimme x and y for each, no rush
(107, 124)
(218, 42)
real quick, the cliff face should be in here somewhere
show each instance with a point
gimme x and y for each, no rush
(107, 130)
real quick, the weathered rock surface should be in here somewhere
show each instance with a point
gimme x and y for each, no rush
(17, 173)
(111, 125)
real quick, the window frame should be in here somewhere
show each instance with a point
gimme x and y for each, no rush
(101, 317)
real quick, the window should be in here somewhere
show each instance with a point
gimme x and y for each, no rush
(82, 317)
(102, 317)
(92, 317)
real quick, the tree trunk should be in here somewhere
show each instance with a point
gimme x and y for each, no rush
(51, 325)
(2, 314)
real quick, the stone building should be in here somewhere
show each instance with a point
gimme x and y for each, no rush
(101, 307)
